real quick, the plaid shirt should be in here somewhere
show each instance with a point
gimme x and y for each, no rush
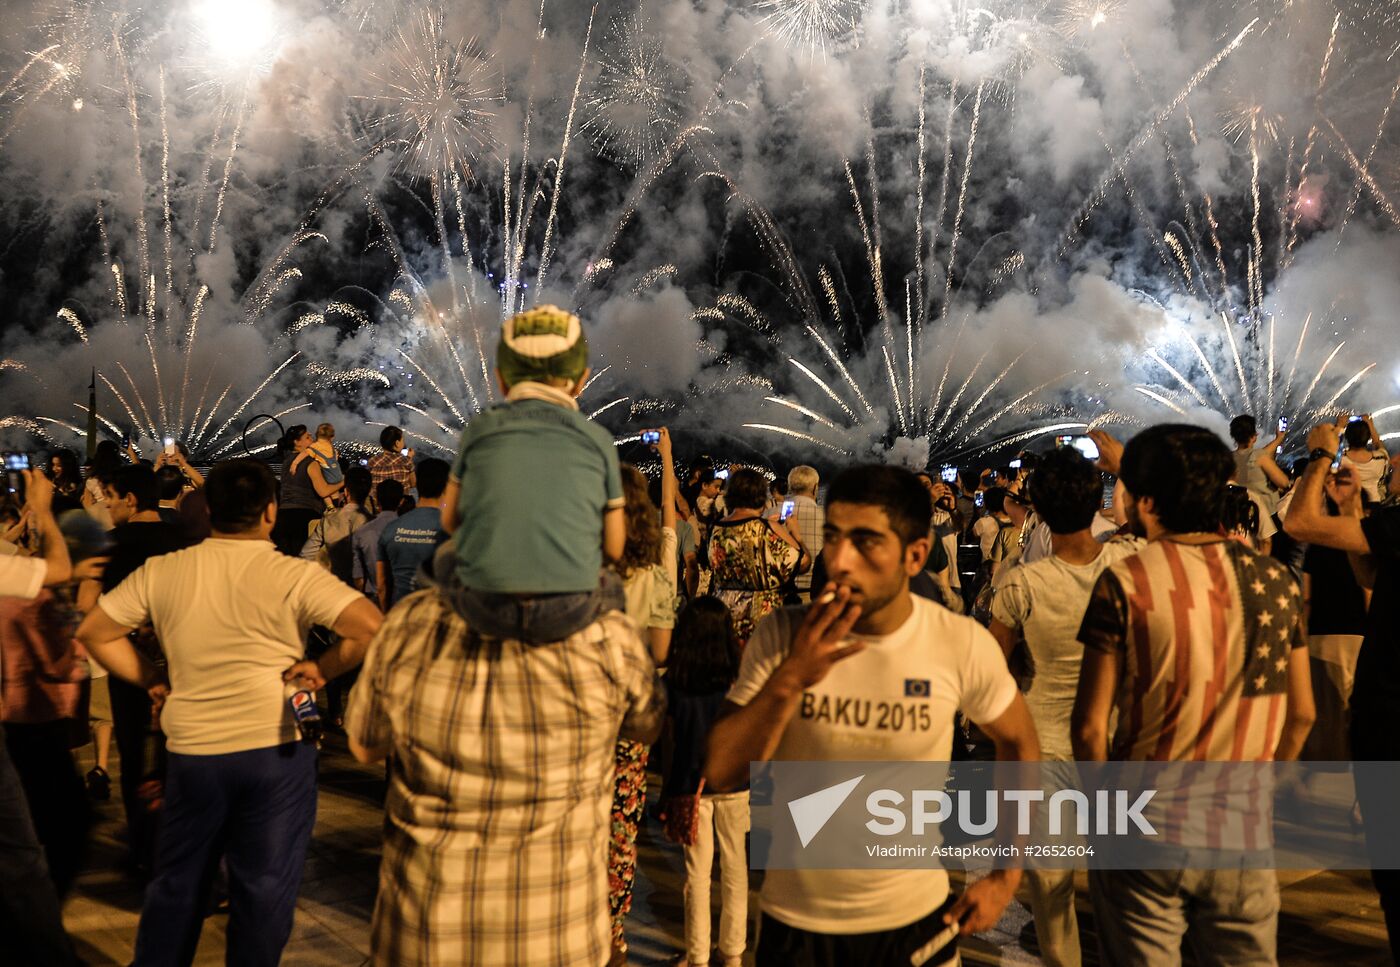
(385, 465)
(497, 820)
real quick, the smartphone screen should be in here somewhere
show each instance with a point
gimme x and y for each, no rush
(1015, 464)
(1086, 446)
(788, 507)
(977, 500)
(721, 474)
(1283, 424)
(651, 436)
(170, 446)
(403, 452)
(949, 474)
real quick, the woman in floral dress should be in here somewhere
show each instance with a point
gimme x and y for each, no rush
(752, 558)
(648, 571)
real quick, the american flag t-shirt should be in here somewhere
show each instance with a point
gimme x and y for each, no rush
(1203, 632)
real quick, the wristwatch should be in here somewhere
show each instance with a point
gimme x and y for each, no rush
(1321, 454)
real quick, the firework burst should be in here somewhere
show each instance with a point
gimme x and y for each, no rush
(814, 26)
(438, 99)
(636, 103)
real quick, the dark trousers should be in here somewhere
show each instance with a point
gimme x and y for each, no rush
(57, 800)
(30, 919)
(142, 753)
(1373, 740)
(780, 945)
(256, 810)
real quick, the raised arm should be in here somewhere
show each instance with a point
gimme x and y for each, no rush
(751, 733)
(38, 491)
(1307, 519)
(1271, 470)
(669, 485)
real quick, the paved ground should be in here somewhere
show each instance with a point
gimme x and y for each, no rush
(1328, 918)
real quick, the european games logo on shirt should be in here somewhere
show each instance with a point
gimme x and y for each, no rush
(917, 688)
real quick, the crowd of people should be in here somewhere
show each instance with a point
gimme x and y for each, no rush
(526, 633)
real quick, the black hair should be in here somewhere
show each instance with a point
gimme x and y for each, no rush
(894, 490)
(1067, 490)
(389, 494)
(69, 461)
(138, 480)
(1243, 429)
(1030, 460)
(288, 443)
(1239, 513)
(1357, 435)
(170, 482)
(747, 490)
(106, 461)
(994, 500)
(238, 491)
(358, 482)
(704, 655)
(432, 475)
(389, 436)
(1184, 469)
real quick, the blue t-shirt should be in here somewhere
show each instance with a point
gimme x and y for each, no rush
(406, 544)
(536, 478)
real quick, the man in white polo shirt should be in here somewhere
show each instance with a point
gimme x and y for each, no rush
(231, 615)
(854, 653)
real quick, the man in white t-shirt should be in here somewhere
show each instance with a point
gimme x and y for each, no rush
(1044, 601)
(231, 614)
(858, 649)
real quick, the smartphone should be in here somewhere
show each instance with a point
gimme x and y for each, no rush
(1337, 457)
(1015, 464)
(949, 474)
(788, 507)
(1083, 444)
(1354, 419)
(651, 436)
(1283, 424)
(16, 461)
(978, 499)
(170, 446)
(126, 440)
(403, 452)
(364, 462)
(721, 474)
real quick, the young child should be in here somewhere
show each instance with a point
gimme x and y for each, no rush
(535, 499)
(324, 453)
(704, 662)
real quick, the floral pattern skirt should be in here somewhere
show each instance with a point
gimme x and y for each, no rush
(629, 802)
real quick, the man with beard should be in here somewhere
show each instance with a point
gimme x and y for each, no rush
(858, 642)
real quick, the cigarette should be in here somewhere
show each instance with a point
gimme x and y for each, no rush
(827, 598)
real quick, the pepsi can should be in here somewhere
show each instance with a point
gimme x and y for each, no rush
(304, 712)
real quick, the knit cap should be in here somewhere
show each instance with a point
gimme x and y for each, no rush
(541, 344)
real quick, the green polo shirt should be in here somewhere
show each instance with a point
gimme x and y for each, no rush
(536, 476)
